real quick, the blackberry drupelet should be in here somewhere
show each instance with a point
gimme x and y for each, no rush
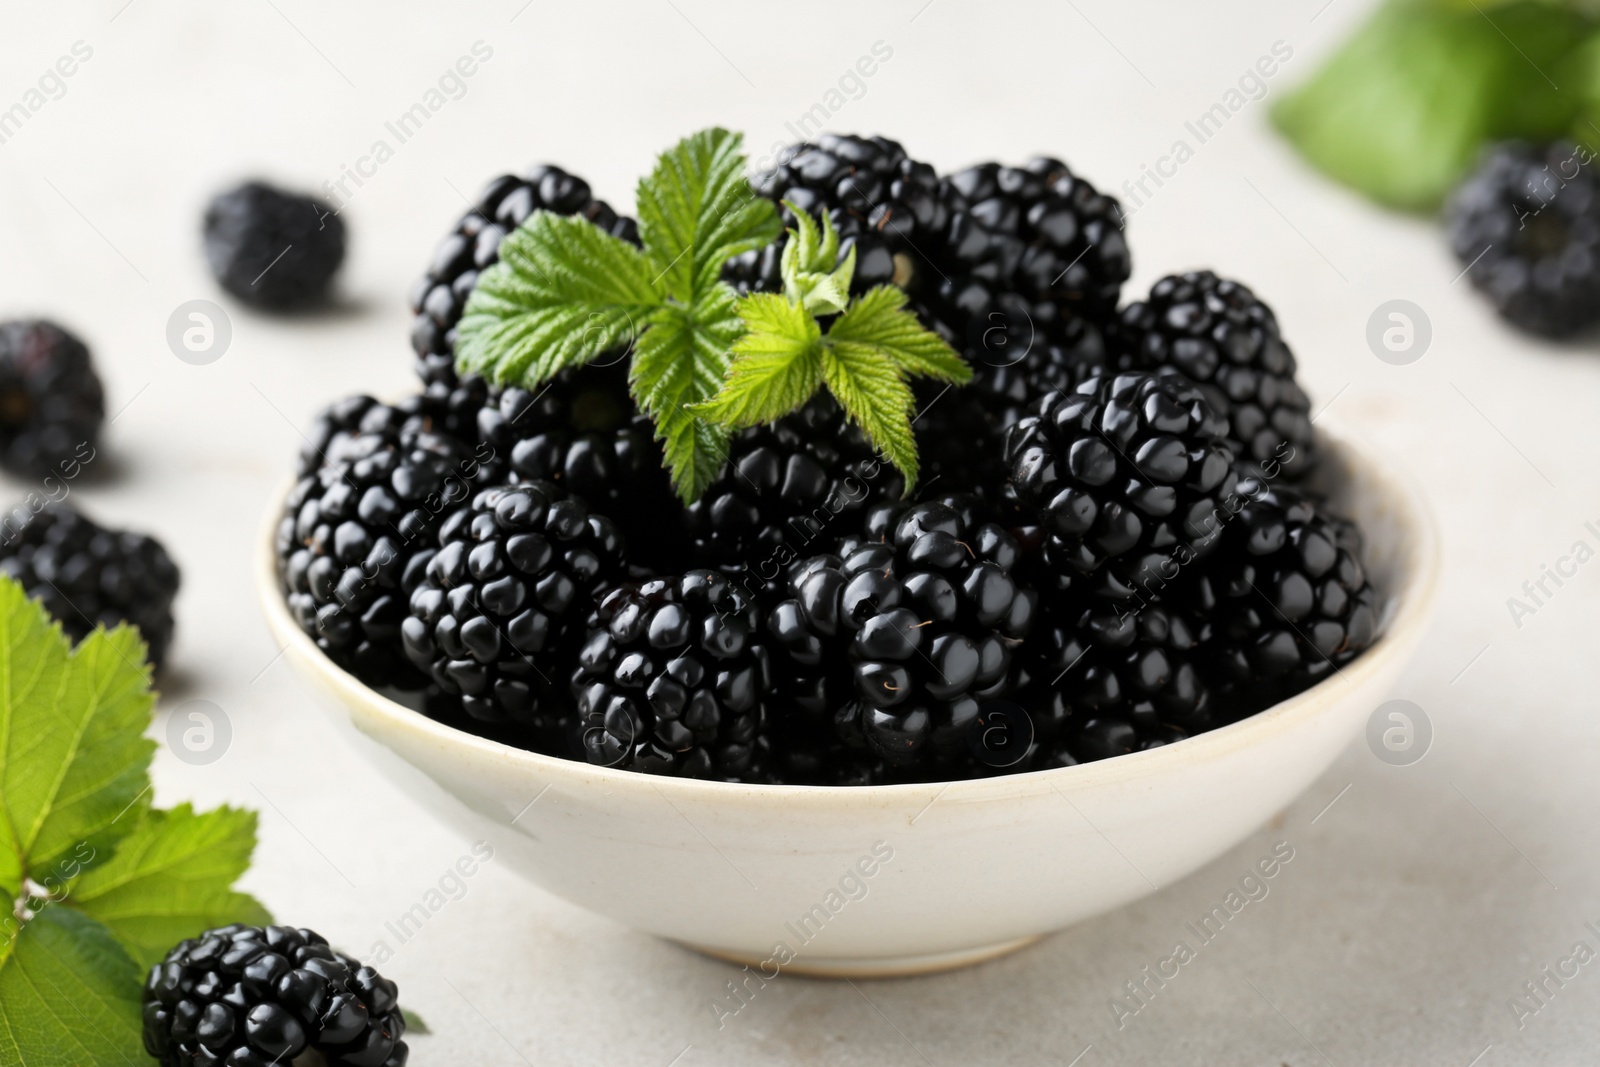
(87, 575)
(375, 482)
(1526, 227)
(582, 431)
(1026, 249)
(271, 248)
(889, 206)
(1288, 593)
(1223, 338)
(1126, 469)
(902, 633)
(515, 578)
(673, 679)
(808, 475)
(438, 297)
(248, 996)
(52, 405)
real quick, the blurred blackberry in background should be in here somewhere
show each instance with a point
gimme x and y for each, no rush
(247, 996)
(807, 476)
(1129, 468)
(582, 431)
(274, 249)
(900, 635)
(1288, 596)
(512, 583)
(1223, 338)
(1526, 226)
(673, 679)
(87, 575)
(52, 405)
(375, 482)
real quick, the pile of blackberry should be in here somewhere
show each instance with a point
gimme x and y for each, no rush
(1117, 541)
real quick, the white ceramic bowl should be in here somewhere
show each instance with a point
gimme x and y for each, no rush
(897, 879)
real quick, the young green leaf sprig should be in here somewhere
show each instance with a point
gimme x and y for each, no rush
(865, 356)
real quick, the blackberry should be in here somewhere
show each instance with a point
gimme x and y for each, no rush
(890, 207)
(1288, 593)
(1223, 338)
(808, 475)
(902, 633)
(673, 679)
(249, 996)
(52, 405)
(1127, 468)
(87, 575)
(514, 578)
(1526, 226)
(438, 297)
(375, 482)
(582, 431)
(1027, 249)
(271, 248)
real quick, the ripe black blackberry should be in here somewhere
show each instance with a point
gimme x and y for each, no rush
(87, 575)
(1027, 249)
(1288, 594)
(51, 402)
(1128, 468)
(582, 431)
(271, 248)
(673, 679)
(902, 633)
(883, 202)
(1223, 338)
(375, 482)
(514, 578)
(440, 295)
(808, 475)
(248, 996)
(1526, 226)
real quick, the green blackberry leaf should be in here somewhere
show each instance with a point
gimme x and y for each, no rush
(172, 879)
(777, 365)
(69, 995)
(73, 756)
(874, 393)
(563, 292)
(678, 363)
(812, 274)
(877, 320)
(1403, 109)
(697, 211)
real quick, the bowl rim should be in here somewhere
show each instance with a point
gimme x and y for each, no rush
(1412, 605)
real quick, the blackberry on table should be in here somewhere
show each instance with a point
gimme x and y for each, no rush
(1526, 227)
(807, 476)
(248, 996)
(52, 405)
(1288, 594)
(582, 431)
(902, 633)
(1126, 469)
(87, 575)
(375, 482)
(673, 679)
(1223, 338)
(514, 579)
(274, 249)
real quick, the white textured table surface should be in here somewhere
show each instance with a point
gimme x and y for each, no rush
(1415, 907)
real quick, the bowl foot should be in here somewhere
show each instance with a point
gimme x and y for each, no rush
(874, 966)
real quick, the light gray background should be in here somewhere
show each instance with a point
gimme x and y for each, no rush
(1415, 906)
